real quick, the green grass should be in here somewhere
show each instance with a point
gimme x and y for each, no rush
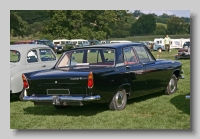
(155, 111)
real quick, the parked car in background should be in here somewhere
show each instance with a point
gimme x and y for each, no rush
(56, 48)
(23, 42)
(120, 41)
(26, 58)
(183, 52)
(186, 44)
(81, 76)
(105, 41)
(79, 42)
(94, 42)
(61, 42)
(158, 47)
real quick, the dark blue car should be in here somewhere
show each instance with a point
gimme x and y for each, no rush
(106, 73)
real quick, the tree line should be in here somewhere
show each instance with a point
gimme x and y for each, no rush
(93, 24)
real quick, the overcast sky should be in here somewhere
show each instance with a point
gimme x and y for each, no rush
(179, 13)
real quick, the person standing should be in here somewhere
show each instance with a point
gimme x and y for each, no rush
(167, 43)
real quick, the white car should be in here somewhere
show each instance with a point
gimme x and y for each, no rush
(26, 58)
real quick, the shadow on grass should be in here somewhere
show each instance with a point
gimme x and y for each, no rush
(181, 103)
(86, 110)
(143, 98)
(14, 98)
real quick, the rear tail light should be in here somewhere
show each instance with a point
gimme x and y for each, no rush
(90, 80)
(25, 82)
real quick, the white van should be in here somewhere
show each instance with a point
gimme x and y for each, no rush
(175, 44)
(62, 42)
(159, 41)
(80, 42)
(124, 41)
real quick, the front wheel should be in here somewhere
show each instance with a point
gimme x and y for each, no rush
(172, 86)
(119, 100)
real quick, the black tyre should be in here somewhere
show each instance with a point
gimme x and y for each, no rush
(119, 100)
(172, 86)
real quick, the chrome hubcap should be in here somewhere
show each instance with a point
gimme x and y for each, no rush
(172, 85)
(119, 99)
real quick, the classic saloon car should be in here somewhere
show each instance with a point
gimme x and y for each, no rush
(81, 76)
(26, 58)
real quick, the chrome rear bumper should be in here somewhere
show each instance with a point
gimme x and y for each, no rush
(61, 98)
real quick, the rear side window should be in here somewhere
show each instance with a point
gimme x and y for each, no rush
(88, 57)
(129, 56)
(32, 56)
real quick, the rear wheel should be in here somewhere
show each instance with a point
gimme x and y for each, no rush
(172, 86)
(119, 100)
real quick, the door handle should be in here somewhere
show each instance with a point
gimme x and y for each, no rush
(127, 67)
(44, 66)
(143, 64)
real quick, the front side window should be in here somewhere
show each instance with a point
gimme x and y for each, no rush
(47, 55)
(14, 56)
(88, 57)
(32, 56)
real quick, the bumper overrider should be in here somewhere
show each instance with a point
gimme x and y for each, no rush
(181, 76)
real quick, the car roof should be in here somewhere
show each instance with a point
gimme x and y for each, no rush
(27, 46)
(112, 45)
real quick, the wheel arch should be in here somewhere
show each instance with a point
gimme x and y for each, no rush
(176, 73)
(127, 88)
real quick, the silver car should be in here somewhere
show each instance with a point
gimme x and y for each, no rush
(26, 58)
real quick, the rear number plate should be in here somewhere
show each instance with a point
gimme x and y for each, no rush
(58, 92)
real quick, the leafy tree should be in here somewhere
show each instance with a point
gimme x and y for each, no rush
(160, 29)
(123, 27)
(177, 25)
(145, 25)
(17, 25)
(75, 23)
(31, 16)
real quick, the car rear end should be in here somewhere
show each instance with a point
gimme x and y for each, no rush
(70, 88)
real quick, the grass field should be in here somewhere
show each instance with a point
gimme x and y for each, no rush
(155, 111)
